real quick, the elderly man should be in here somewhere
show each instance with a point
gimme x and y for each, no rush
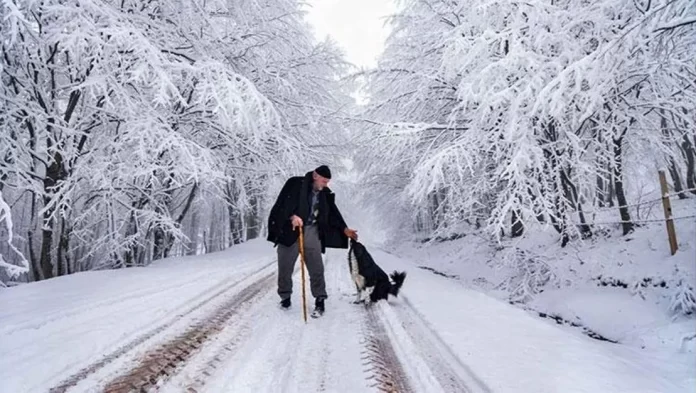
(307, 202)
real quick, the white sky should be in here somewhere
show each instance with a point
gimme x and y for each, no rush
(356, 25)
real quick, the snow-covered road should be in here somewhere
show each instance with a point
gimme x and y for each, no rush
(261, 348)
(211, 323)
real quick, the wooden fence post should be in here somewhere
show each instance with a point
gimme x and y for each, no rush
(668, 213)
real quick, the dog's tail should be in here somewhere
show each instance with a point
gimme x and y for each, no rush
(398, 279)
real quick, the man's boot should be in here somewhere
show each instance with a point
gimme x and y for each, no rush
(318, 308)
(285, 303)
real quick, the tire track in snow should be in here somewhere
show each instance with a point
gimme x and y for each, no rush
(421, 349)
(281, 354)
(405, 355)
(285, 354)
(161, 363)
(195, 374)
(384, 367)
(265, 359)
(207, 296)
(428, 351)
(311, 375)
(314, 373)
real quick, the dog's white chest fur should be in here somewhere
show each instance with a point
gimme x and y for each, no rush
(355, 274)
(359, 280)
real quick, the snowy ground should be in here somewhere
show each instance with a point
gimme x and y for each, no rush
(617, 287)
(211, 323)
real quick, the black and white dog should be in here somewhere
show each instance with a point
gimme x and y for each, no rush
(369, 278)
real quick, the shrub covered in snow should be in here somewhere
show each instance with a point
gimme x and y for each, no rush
(531, 273)
(683, 301)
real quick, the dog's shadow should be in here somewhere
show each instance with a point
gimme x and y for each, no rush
(349, 298)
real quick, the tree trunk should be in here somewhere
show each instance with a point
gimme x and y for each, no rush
(61, 257)
(558, 217)
(435, 222)
(560, 227)
(541, 218)
(69, 256)
(35, 267)
(35, 263)
(136, 253)
(517, 229)
(234, 216)
(626, 222)
(673, 169)
(534, 197)
(252, 219)
(54, 173)
(131, 255)
(570, 192)
(236, 224)
(690, 156)
(192, 247)
(46, 245)
(161, 244)
(600, 191)
(167, 238)
(676, 179)
(612, 191)
(215, 236)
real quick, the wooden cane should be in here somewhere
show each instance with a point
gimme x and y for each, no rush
(302, 268)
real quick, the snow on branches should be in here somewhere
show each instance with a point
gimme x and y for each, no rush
(118, 116)
(544, 105)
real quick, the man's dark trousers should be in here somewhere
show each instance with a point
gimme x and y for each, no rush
(315, 266)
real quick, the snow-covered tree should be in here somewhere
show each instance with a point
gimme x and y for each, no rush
(521, 109)
(409, 101)
(117, 117)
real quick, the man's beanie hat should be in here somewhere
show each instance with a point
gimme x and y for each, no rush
(323, 171)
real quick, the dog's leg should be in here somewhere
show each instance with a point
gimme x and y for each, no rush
(360, 286)
(358, 294)
(358, 280)
(368, 296)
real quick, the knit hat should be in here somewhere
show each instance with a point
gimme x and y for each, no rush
(323, 171)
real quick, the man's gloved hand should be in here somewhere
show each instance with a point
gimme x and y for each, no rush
(351, 233)
(296, 221)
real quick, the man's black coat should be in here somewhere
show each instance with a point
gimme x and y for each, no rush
(295, 198)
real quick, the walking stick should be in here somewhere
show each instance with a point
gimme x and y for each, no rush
(302, 267)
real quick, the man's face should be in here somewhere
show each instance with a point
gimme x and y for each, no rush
(320, 182)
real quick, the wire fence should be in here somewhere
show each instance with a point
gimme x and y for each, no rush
(650, 201)
(636, 221)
